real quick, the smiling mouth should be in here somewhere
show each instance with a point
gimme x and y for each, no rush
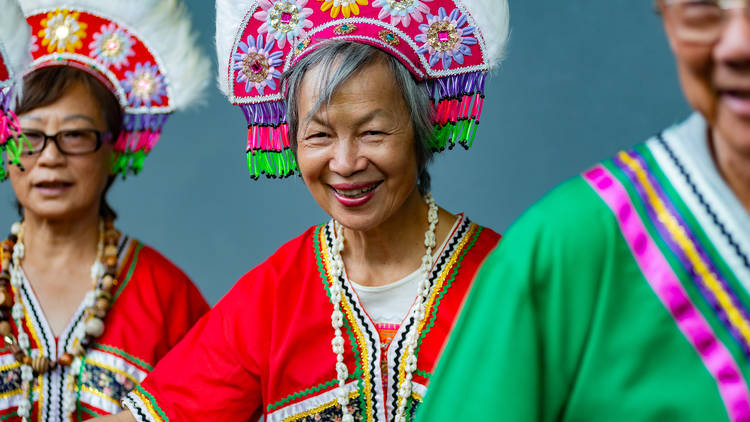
(738, 94)
(356, 193)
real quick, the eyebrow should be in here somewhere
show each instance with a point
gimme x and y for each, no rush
(362, 120)
(65, 119)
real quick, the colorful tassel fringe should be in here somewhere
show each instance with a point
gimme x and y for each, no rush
(457, 102)
(269, 151)
(11, 137)
(139, 136)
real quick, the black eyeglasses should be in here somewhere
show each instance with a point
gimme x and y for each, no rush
(69, 142)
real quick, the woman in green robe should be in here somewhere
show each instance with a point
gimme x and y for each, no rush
(624, 294)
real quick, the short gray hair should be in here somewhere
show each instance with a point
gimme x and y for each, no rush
(343, 59)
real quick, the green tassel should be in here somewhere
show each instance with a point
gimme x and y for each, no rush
(137, 164)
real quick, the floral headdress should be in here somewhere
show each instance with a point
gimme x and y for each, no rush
(144, 51)
(450, 44)
(15, 39)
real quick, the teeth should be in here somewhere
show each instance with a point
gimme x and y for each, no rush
(356, 192)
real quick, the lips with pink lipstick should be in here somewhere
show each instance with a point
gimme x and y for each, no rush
(737, 100)
(52, 187)
(354, 194)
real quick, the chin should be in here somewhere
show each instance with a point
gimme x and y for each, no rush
(735, 130)
(357, 221)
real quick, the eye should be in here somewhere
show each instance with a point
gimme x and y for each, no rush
(318, 135)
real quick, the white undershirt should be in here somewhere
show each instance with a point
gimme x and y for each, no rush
(389, 304)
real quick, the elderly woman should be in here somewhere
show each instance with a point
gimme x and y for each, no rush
(86, 312)
(346, 321)
(623, 295)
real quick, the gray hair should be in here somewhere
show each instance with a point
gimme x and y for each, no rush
(340, 60)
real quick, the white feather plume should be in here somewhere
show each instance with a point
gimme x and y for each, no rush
(165, 27)
(229, 17)
(15, 40)
(493, 19)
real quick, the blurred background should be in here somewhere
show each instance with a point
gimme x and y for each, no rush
(582, 79)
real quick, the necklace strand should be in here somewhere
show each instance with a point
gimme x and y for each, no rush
(412, 336)
(97, 303)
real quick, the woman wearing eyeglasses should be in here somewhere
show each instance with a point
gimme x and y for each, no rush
(623, 295)
(85, 311)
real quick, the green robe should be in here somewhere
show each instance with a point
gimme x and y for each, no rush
(621, 295)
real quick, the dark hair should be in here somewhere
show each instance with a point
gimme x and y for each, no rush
(343, 59)
(46, 85)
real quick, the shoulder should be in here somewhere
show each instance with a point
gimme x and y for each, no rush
(146, 268)
(290, 264)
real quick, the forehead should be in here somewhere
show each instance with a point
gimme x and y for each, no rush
(76, 103)
(373, 85)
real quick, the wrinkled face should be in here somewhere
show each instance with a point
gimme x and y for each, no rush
(715, 77)
(357, 155)
(57, 186)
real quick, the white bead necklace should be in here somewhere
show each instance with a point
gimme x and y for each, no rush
(18, 313)
(418, 313)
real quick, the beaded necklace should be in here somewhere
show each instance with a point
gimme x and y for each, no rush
(97, 303)
(418, 313)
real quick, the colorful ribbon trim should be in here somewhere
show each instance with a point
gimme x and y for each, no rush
(665, 284)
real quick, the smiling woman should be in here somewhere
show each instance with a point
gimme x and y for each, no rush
(85, 312)
(346, 321)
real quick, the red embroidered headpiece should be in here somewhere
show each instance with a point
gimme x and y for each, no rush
(126, 47)
(451, 44)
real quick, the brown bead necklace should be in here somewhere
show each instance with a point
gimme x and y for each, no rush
(97, 302)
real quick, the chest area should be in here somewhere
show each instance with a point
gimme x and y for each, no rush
(376, 351)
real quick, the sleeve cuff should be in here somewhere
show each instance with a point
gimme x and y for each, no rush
(143, 406)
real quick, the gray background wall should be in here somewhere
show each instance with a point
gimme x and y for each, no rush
(582, 79)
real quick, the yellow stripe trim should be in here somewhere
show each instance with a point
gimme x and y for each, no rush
(679, 235)
(315, 410)
(433, 296)
(99, 394)
(111, 369)
(148, 404)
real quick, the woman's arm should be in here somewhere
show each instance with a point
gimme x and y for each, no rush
(125, 416)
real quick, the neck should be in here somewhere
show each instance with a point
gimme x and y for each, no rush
(58, 243)
(390, 251)
(734, 167)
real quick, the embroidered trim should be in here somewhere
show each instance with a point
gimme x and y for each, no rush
(136, 248)
(667, 287)
(368, 401)
(150, 402)
(298, 395)
(124, 355)
(683, 243)
(730, 239)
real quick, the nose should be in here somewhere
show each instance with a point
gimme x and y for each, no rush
(733, 48)
(346, 159)
(50, 155)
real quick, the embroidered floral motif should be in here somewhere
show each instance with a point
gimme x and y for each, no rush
(389, 37)
(284, 20)
(109, 383)
(344, 28)
(112, 46)
(144, 85)
(10, 381)
(345, 7)
(402, 11)
(446, 38)
(257, 65)
(62, 32)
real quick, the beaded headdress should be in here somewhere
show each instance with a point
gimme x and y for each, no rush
(144, 51)
(15, 44)
(450, 44)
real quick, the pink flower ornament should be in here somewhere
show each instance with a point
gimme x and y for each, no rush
(257, 65)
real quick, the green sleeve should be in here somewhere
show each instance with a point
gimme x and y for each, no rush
(514, 352)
